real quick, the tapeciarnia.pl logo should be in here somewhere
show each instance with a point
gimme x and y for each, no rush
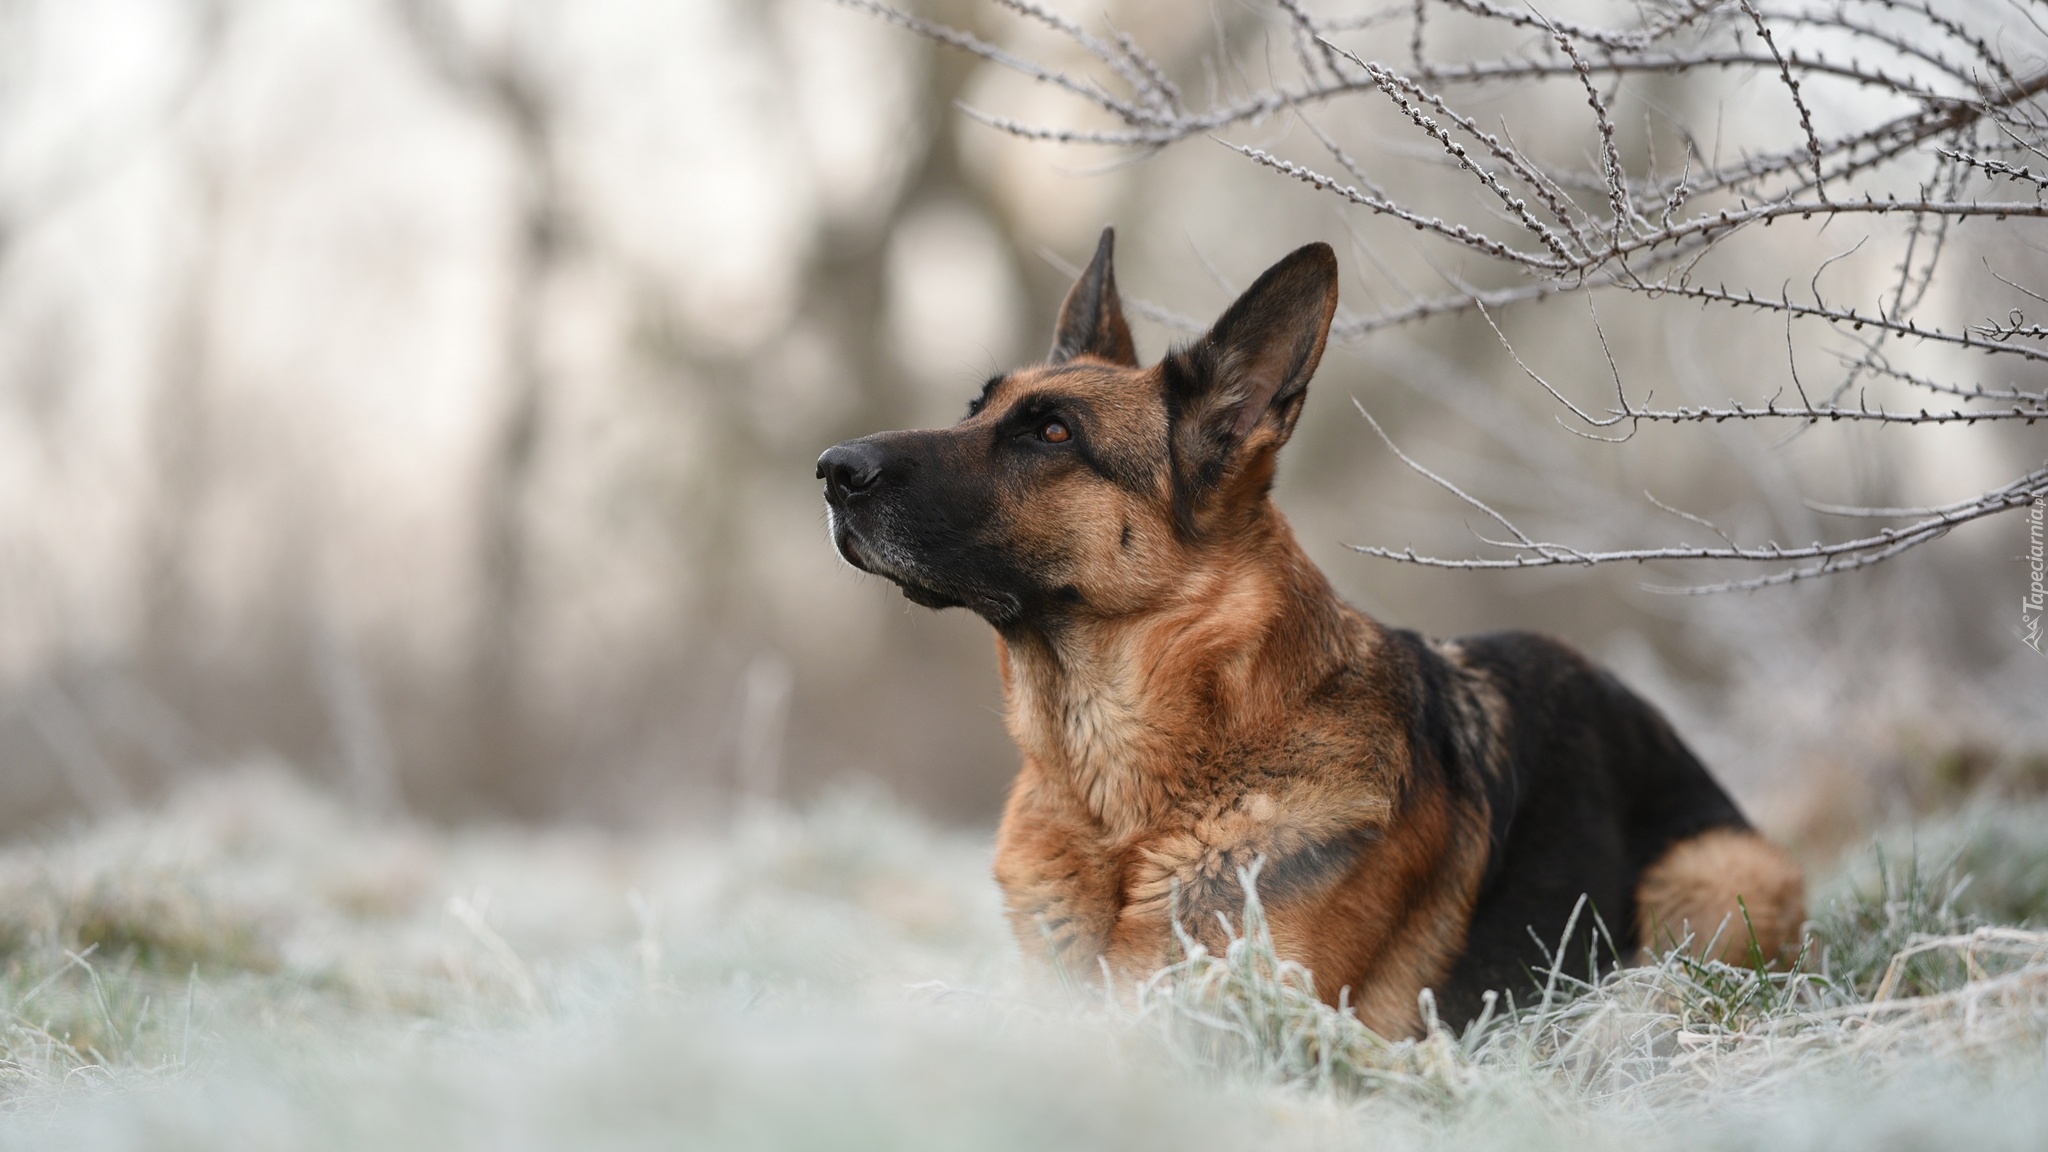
(2036, 600)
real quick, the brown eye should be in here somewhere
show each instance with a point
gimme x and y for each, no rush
(1055, 432)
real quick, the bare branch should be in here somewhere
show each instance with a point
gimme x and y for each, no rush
(1825, 558)
(1820, 179)
(1997, 168)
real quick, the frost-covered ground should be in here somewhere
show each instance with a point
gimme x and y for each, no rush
(252, 967)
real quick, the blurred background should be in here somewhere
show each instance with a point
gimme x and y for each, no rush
(424, 394)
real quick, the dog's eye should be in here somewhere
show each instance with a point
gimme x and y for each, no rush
(1055, 432)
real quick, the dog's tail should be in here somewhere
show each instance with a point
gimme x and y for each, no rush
(1733, 895)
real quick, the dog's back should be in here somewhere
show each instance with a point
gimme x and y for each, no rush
(1597, 809)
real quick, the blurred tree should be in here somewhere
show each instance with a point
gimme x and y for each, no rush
(506, 83)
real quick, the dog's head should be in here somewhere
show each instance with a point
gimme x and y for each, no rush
(1088, 484)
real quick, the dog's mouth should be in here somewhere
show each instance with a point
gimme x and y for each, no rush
(879, 559)
(843, 540)
(869, 557)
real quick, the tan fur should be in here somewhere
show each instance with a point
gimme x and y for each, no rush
(1700, 889)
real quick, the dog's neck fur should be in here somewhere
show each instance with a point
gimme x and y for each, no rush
(1093, 703)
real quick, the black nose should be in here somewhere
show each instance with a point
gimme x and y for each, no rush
(849, 470)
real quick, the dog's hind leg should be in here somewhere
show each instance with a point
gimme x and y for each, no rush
(1730, 892)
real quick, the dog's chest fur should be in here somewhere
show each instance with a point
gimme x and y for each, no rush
(1144, 796)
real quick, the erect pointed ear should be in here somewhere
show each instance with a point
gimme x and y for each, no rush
(1092, 319)
(1236, 393)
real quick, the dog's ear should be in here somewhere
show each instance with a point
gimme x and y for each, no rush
(1235, 394)
(1092, 319)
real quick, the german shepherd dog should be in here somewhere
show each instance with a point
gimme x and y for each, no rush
(1191, 696)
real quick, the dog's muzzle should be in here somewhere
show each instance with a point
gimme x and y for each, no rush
(884, 521)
